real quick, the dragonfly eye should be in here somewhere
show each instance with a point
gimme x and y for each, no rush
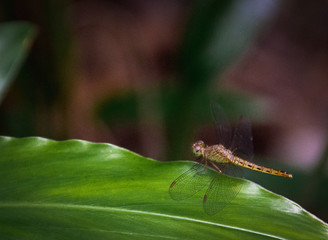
(197, 148)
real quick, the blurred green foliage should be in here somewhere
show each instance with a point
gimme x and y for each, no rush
(15, 42)
(43, 82)
(218, 33)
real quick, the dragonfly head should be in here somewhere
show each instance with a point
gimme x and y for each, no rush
(198, 148)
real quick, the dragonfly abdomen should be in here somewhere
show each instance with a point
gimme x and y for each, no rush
(243, 163)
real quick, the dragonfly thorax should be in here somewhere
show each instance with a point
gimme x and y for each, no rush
(218, 153)
(215, 153)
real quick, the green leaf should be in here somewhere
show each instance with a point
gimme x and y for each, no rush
(218, 33)
(81, 190)
(15, 41)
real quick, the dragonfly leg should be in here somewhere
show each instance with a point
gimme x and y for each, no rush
(202, 160)
(216, 167)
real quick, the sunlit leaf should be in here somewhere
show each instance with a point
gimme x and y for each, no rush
(81, 190)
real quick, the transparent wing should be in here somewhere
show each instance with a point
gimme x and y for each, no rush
(242, 142)
(222, 125)
(230, 169)
(221, 191)
(189, 183)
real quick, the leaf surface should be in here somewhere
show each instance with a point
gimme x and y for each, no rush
(81, 190)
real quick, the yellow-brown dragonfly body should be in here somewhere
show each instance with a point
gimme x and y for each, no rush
(233, 150)
(218, 153)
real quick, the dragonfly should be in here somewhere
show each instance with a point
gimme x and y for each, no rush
(234, 150)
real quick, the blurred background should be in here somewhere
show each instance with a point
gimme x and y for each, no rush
(141, 75)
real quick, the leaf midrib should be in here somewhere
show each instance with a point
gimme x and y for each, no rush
(123, 210)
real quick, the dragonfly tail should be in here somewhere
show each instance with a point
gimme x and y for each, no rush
(253, 166)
